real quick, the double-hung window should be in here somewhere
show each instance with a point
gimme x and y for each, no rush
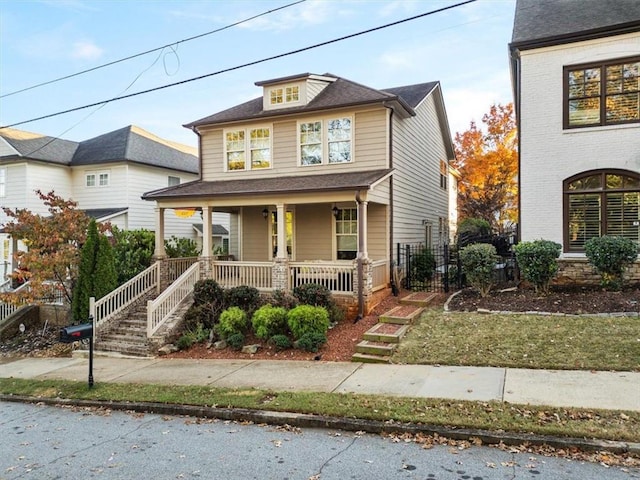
(604, 93)
(95, 179)
(327, 141)
(347, 233)
(248, 149)
(600, 203)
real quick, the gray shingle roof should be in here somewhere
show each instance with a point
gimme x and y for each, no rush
(340, 93)
(125, 144)
(549, 22)
(216, 229)
(277, 185)
(99, 213)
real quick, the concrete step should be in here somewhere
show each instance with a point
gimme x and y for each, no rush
(133, 349)
(402, 314)
(386, 332)
(366, 358)
(375, 348)
(420, 299)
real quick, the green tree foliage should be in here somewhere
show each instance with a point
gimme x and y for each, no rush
(181, 247)
(611, 256)
(97, 273)
(537, 262)
(53, 246)
(133, 251)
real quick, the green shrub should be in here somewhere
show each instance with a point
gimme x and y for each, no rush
(281, 342)
(194, 334)
(133, 251)
(236, 341)
(479, 261)
(199, 314)
(537, 262)
(181, 247)
(319, 296)
(284, 299)
(245, 297)
(185, 341)
(268, 321)
(232, 320)
(311, 341)
(611, 256)
(307, 319)
(423, 265)
(474, 226)
(207, 291)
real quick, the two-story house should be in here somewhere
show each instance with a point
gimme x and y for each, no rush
(105, 175)
(323, 178)
(576, 77)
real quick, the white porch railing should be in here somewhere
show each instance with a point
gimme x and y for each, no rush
(6, 285)
(177, 266)
(380, 273)
(337, 277)
(234, 274)
(123, 296)
(7, 309)
(160, 309)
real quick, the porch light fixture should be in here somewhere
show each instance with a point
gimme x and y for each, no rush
(336, 211)
(265, 213)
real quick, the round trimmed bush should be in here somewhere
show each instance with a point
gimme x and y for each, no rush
(268, 321)
(479, 261)
(281, 342)
(232, 320)
(311, 341)
(307, 319)
(537, 262)
(611, 256)
(245, 297)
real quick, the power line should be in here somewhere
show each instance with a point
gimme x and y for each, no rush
(238, 67)
(239, 22)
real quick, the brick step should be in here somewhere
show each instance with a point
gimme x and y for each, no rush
(375, 348)
(124, 337)
(367, 358)
(402, 315)
(133, 349)
(386, 332)
(420, 299)
(123, 331)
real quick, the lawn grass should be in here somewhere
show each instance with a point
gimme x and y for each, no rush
(494, 416)
(522, 341)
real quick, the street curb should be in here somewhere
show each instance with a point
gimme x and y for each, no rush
(303, 420)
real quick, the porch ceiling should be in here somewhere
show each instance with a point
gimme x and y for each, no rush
(272, 186)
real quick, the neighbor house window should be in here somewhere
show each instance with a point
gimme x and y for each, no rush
(605, 93)
(173, 181)
(248, 149)
(281, 95)
(347, 233)
(325, 142)
(3, 181)
(97, 179)
(601, 203)
(443, 174)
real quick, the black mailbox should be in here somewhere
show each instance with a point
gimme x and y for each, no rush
(73, 333)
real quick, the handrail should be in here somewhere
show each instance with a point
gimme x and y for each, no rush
(123, 296)
(160, 309)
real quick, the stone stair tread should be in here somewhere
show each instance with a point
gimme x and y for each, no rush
(368, 358)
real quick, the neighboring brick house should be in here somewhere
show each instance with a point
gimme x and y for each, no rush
(105, 175)
(576, 78)
(352, 170)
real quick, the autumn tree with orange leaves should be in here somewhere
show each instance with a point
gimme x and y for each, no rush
(487, 159)
(53, 243)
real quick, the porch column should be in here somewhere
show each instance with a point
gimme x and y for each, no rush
(281, 212)
(362, 229)
(207, 232)
(159, 251)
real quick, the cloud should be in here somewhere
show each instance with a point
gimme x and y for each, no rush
(86, 50)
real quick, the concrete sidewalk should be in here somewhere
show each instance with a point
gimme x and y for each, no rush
(606, 390)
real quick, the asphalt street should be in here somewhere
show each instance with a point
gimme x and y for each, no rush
(44, 442)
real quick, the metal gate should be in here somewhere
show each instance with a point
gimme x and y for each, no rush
(432, 269)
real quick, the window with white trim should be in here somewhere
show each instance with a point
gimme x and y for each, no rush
(95, 179)
(327, 141)
(347, 233)
(3, 182)
(282, 95)
(247, 149)
(173, 181)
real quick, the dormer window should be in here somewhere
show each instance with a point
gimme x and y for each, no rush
(282, 95)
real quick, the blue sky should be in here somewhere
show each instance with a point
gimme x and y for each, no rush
(465, 48)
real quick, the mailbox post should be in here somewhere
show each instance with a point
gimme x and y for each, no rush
(75, 333)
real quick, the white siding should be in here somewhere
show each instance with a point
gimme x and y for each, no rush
(418, 148)
(45, 177)
(15, 188)
(550, 154)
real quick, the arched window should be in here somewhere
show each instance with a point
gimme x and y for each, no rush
(601, 202)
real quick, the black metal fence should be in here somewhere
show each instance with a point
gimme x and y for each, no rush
(438, 268)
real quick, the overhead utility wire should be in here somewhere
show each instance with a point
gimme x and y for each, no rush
(151, 51)
(238, 67)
